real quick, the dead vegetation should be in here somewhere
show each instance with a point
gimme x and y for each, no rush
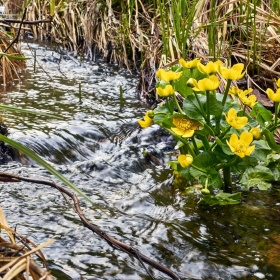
(130, 33)
(17, 255)
(10, 68)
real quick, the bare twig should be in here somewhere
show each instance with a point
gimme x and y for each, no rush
(94, 228)
(32, 22)
(17, 36)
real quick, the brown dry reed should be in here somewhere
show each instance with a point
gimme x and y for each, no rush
(147, 34)
(15, 257)
(10, 69)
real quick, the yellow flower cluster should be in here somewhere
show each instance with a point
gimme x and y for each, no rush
(210, 83)
(245, 98)
(274, 96)
(241, 147)
(168, 76)
(234, 121)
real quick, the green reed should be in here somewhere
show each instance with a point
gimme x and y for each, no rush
(177, 18)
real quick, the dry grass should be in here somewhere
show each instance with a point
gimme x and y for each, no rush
(15, 257)
(130, 33)
(9, 68)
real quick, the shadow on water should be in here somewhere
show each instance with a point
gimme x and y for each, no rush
(100, 149)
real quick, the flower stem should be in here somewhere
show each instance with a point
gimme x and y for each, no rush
(244, 109)
(208, 107)
(226, 92)
(184, 141)
(227, 178)
(199, 169)
(200, 105)
(195, 146)
(177, 104)
(276, 113)
(228, 164)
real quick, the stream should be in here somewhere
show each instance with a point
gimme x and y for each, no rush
(99, 147)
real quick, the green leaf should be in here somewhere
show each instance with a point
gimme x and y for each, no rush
(206, 160)
(261, 114)
(276, 173)
(13, 57)
(258, 176)
(203, 169)
(223, 198)
(246, 162)
(170, 106)
(270, 140)
(273, 163)
(216, 107)
(173, 164)
(160, 114)
(46, 165)
(192, 108)
(19, 110)
(181, 84)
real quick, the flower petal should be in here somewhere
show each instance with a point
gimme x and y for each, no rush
(177, 130)
(188, 133)
(233, 140)
(185, 160)
(165, 92)
(278, 82)
(232, 113)
(246, 137)
(250, 150)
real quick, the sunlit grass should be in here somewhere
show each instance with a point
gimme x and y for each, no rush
(152, 33)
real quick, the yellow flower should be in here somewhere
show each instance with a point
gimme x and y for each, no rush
(168, 76)
(189, 64)
(278, 83)
(234, 90)
(185, 127)
(210, 67)
(210, 83)
(256, 133)
(233, 73)
(185, 160)
(241, 147)
(250, 101)
(147, 120)
(274, 96)
(164, 92)
(234, 121)
(191, 82)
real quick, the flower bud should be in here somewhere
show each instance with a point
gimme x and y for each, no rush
(190, 82)
(205, 191)
(256, 133)
(151, 113)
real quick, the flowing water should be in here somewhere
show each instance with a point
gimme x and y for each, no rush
(98, 146)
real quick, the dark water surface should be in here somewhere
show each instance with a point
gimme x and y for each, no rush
(99, 147)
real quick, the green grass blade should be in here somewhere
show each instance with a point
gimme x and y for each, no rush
(46, 165)
(13, 56)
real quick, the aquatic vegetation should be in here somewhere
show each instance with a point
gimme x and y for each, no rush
(219, 134)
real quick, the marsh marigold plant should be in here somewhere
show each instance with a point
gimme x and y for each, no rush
(218, 133)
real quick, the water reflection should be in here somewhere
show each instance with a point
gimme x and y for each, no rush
(100, 149)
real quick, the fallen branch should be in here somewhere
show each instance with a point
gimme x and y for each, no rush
(75, 205)
(34, 22)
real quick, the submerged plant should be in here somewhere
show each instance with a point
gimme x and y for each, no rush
(218, 134)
